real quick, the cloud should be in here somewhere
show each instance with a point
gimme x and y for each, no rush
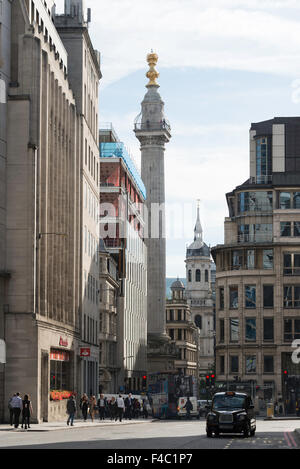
(233, 34)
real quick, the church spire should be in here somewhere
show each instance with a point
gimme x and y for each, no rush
(198, 232)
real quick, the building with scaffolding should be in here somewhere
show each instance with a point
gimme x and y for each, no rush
(122, 197)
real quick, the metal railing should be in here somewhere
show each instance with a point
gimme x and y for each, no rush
(149, 126)
(261, 179)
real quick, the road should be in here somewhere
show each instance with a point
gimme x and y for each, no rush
(173, 435)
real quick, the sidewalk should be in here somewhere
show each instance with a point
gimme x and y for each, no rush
(78, 423)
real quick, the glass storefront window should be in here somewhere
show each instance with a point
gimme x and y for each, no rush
(251, 329)
(250, 296)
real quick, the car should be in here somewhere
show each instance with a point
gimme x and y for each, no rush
(231, 412)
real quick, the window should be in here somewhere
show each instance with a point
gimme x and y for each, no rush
(222, 364)
(291, 264)
(198, 321)
(296, 200)
(237, 260)
(250, 329)
(234, 330)
(171, 315)
(258, 201)
(268, 258)
(285, 228)
(234, 364)
(268, 296)
(291, 296)
(171, 334)
(233, 297)
(250, 259)
(250, 296)
(263, 160)
(268, 364)
(190, 276)
(206, 276)
(179, 315)
(296, 228)
(284, 200)
(269, 329)
(251, 364)
(222, 330)
(198, 275)
(221, 298)
(291, 329)
(179, 334)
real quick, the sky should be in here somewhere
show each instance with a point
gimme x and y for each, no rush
(223, 64)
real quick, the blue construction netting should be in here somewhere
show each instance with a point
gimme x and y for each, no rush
(118, 150)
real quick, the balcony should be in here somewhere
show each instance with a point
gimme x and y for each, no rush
(261, 179)
(152, 126)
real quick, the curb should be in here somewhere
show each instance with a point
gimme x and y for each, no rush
(54, 426)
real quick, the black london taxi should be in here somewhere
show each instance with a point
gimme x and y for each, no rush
(231, 412)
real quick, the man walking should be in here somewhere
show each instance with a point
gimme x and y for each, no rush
(120, 405)
(16, 405)
(129, 406)
(71, 410)
(188, 406)
(102, 404)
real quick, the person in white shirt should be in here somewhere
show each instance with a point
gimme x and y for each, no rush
(16, 405)
(121, 406)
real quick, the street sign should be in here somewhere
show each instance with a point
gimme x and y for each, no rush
(2, 351)
(85, 352)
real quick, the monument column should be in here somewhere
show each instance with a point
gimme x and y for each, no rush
(153, 131)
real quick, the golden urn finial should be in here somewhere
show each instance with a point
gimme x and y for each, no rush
(152, 74)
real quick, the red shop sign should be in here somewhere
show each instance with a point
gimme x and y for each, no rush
(85, 352)
(63, 342)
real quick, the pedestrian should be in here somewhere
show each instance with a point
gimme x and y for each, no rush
(84, 406)
(145, 410)
(129, 406)
(92, 407)
(71, 410)
(17, 405)
(188, 406)
(102, 405)
(26, 412)
(11, 410)
(121, 407)
(137, 408)
(112, 406)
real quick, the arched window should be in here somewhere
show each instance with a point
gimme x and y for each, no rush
(206, 276)
(198, 275)
(198, 321)
(190, 275)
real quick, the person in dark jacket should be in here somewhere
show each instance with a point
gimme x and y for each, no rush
(113, 409)
(102, 406)
(188, 406)
(71, 410)
(84, 406)
(26, 412)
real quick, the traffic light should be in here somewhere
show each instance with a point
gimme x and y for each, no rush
(207, 381)
(212, 380)
(285, 376)
(144, 382)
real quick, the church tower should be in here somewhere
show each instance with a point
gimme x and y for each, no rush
(153, 132)
(199, 267)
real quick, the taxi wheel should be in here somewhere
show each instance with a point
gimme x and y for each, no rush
(247, 430)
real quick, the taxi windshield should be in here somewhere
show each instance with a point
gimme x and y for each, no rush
(228, 402)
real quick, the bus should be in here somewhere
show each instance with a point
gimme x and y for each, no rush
(164, 391)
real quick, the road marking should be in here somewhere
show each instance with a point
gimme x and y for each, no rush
(291, 443)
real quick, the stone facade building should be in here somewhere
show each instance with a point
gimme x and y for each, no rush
(258, 275)
(183, 331)
(44, 297)
(199, 294)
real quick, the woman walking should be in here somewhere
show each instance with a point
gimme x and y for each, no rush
(93, 405)
(112, 408)
(26, 412)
